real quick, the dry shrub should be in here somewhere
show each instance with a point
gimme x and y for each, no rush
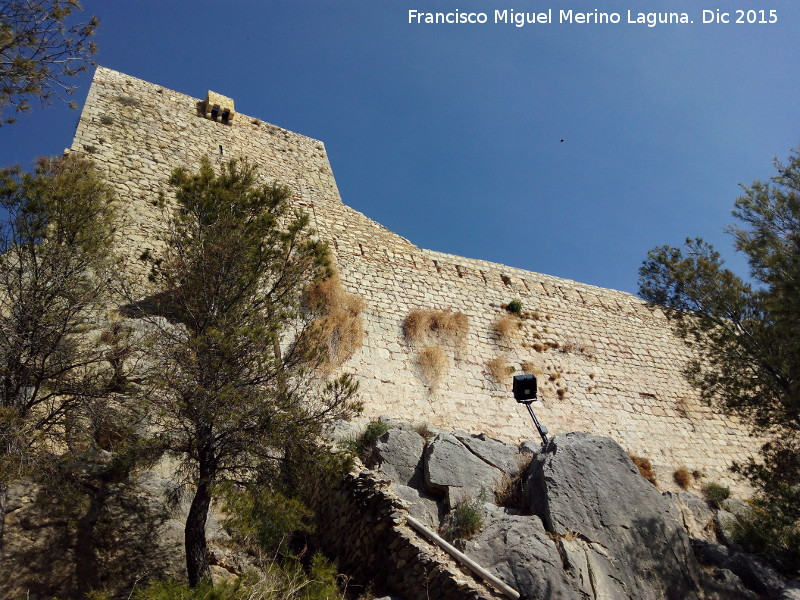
(434, 365)
(561, 392)
(645, 468)
(425, 431)
(509, 493)
(506, 326)
(529, 367)
(682, 477)
(499, 369)
(539, 347)
(339, 328)
(571, 535)
(419, 325)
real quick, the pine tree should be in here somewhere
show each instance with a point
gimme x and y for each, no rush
(54, 267)
(746, 334)
(236, 373)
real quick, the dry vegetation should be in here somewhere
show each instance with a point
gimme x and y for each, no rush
(509, 493)
(682, 477)
(529, 367)
(434, 365)
(499, 369)
(339, 327)
(645, 468)
(506, 327)
(443, 325)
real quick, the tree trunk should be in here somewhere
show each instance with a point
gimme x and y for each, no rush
(195, 535)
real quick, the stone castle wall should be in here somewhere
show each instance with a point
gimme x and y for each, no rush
(606, 362)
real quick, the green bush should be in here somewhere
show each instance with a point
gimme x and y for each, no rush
(265, 518)
(715, 493)
(515, 307)
(172, 590)
(772, 533)
(466, 519)
(287, 581)
(362, 444)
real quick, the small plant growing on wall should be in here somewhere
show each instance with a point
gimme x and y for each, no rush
(340, 327)
(645, 468)
(682, 477)
(506, 327)
(715, 493)
(442, 325)
(500, 370)
(433, 364)
(515, 307)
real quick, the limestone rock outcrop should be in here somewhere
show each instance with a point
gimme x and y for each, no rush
(585, 524)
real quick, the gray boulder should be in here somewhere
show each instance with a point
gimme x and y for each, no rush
(756, 574)
(491, 451)
(398, 454)
(421, 506)
(697, 516)
(725, 522)
(456, 473)
(722, 584)
(587, 488)
(518, 550)
(709, 553)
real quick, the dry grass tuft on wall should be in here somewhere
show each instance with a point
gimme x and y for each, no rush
(530, 367)
(645, 468)
(444, 325)
(339, 327)
(434, 365)
(506, 327)
(682, 477)
(500, 370)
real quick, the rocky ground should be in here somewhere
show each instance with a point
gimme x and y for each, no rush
(575, 521)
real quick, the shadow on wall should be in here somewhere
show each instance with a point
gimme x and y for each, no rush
(65, 538)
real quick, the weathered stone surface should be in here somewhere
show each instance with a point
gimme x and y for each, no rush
(696, 515)
(398, 454)
(494, 452)
(756, 575)
(709, 553)
(422, 507)
(518, 550)
(589, 488)
(724, 522)
(592, 571)
(791, 592)
(342, 431)
(722, 584)
(455, 472)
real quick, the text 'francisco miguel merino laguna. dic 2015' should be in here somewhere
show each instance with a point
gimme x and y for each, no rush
(520, 18)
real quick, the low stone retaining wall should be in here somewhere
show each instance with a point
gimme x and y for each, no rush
(363, 526)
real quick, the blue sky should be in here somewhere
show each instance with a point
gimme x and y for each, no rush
(450, 135)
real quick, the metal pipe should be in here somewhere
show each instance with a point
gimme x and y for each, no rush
(538, 426)
(464, 559)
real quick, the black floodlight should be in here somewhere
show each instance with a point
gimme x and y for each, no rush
(525, 393)
(524, 388)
